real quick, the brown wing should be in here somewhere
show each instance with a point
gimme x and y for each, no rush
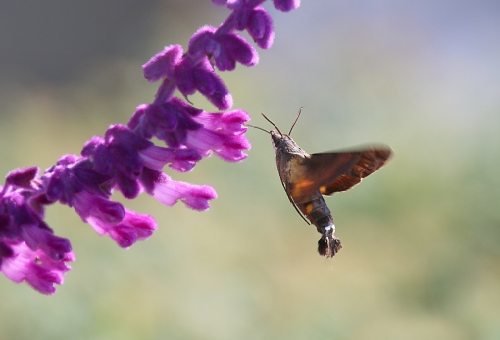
(369, 162)
(319, 170)
(332, 172)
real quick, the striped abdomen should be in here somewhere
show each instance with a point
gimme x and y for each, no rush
(316, 211)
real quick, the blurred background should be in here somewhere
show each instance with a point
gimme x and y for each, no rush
(421, 257)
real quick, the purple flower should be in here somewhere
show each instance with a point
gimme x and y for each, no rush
(201, 77)
(255, 19)
(197, 131)
(35, 267)
(162, 64)
(29, 251)
(97, 210)
(286, 5)
(223, 133)
(132, 227)
(230, 122)
(260, 27)
(123, 155)
(126, 159)
(168, 192)
(224, 49)
(155, 157)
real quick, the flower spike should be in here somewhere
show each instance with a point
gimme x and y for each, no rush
(126, 159)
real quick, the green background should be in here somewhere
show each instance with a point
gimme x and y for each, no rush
(421, 256)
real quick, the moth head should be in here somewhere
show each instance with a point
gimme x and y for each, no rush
(278, 138)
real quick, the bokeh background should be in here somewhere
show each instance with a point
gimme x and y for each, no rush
(421, 257)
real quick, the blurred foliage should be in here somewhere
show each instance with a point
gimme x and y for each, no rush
(421, 237)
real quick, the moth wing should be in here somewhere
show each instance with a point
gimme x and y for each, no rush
(318, 170)
(332, 172)
(369, 161)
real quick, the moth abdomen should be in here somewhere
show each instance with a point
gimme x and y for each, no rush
(316, 211)
(319, 215)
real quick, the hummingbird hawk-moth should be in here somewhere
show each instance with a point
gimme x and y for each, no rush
(306, 178)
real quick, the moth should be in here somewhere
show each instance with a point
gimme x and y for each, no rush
(306, 178)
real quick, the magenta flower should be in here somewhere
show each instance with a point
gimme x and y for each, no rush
(36, 268)
(29, 251)
(132, 227)
(168, 192)
(126, 159)
(286, 5)
(225, 49)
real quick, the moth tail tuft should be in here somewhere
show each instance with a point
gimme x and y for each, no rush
(329, 246)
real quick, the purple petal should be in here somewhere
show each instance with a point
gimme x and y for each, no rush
(184, 77)
(5, 252)
(199, 197)
(231, 122)
(149, 178)
(67, 160)
(55, 247)
(204, 140)
(22, 177)
(91, 207)
(232, 149)
(90, 146)
(222, 133)
(286, 5)
(91, 179)
(196, 197)
(212, 87)
(202, 42)
(239, 49)
(125, 159)
(162, 64)
(133, 227)
(182, 114)
(55, 188)
(135, 120)
(224, 61)
(240, 16)
(260, 28)
(123, 235)
(21, 214)
(156, 157)
(35, 267)
(129, 187)
(143, 224)
(101, 157)
(119, 134)
(202, 78)
(140, 124)
(184, 107)
(160, 117)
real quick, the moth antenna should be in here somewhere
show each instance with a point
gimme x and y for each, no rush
(259, 128)
(295, 121)
(270, 121)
